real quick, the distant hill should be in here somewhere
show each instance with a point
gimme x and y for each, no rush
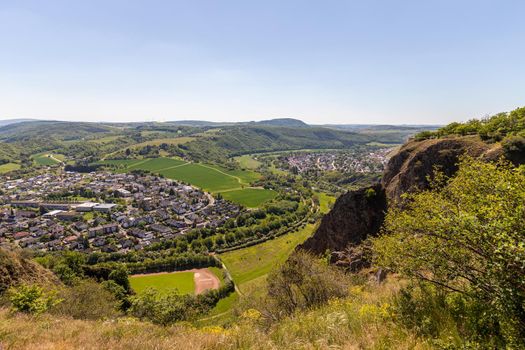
(13, 121)
(287, 122)
(30, 130)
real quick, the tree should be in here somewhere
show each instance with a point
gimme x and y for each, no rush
(120, 276)
(466, 235)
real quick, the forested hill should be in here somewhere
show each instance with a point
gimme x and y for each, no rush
(200, 141)
(234, 141)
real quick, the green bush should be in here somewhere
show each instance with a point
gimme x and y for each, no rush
(466, 237)
(302, 282)
(31, 299)
(87, 300)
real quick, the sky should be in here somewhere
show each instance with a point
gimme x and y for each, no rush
(324, 62)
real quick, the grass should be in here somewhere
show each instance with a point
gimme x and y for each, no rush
(248, 162)
(163, 282)
(219, 272)
(254, 262)
(156, 164)
(211, 178)
(169, 141)
(5, 168)
(47, 159)
(207, 178)
(249, 197)
(361, 321)
(325, 202)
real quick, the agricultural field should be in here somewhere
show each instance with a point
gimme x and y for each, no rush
(163, 282)
(156, 164)
(5, 168)
(47, 159)
(249, 197)
(167, 140)
(233, 185)
(205, 177)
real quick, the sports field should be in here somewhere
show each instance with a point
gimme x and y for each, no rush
(163, 282)
(234, 185)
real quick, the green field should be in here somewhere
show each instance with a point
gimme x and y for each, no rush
(5, 168)
(232, 184)
(248, 162)
(47, 159)
(253, 263)
(203, 177)
(163, 282)
(249, 197)
(325, 202)
(156, 164)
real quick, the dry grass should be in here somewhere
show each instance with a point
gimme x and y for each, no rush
(362, 321)
(46, 332)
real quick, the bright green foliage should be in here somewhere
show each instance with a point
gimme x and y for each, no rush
(494, 128)
(31, 299)
(467, 235)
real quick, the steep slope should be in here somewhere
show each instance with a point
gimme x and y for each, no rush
(15, 269)
(355, 215)
(410, 168)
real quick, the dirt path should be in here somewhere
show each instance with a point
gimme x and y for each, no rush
(204, 279)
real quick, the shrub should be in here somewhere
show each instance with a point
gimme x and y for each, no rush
(87, 300)
(162, 308)
(300, 283)
(514, 148)
(31, 299)
(466, 238)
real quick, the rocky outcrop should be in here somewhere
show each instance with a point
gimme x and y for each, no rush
(415, 162)
(355, 215)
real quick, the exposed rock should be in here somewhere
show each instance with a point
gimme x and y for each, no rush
(355, 215)
(410, 168)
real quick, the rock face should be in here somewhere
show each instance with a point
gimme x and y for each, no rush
(409, 169)
(355, 215)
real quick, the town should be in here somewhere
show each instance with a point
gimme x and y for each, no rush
(346, 161)
(102, 211)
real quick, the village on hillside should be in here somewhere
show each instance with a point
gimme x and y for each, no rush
(347, 161)
(103, 211)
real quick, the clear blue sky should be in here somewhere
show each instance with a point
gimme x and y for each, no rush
(323, 61)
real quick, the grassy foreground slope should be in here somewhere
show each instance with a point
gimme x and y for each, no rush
(362, 321)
